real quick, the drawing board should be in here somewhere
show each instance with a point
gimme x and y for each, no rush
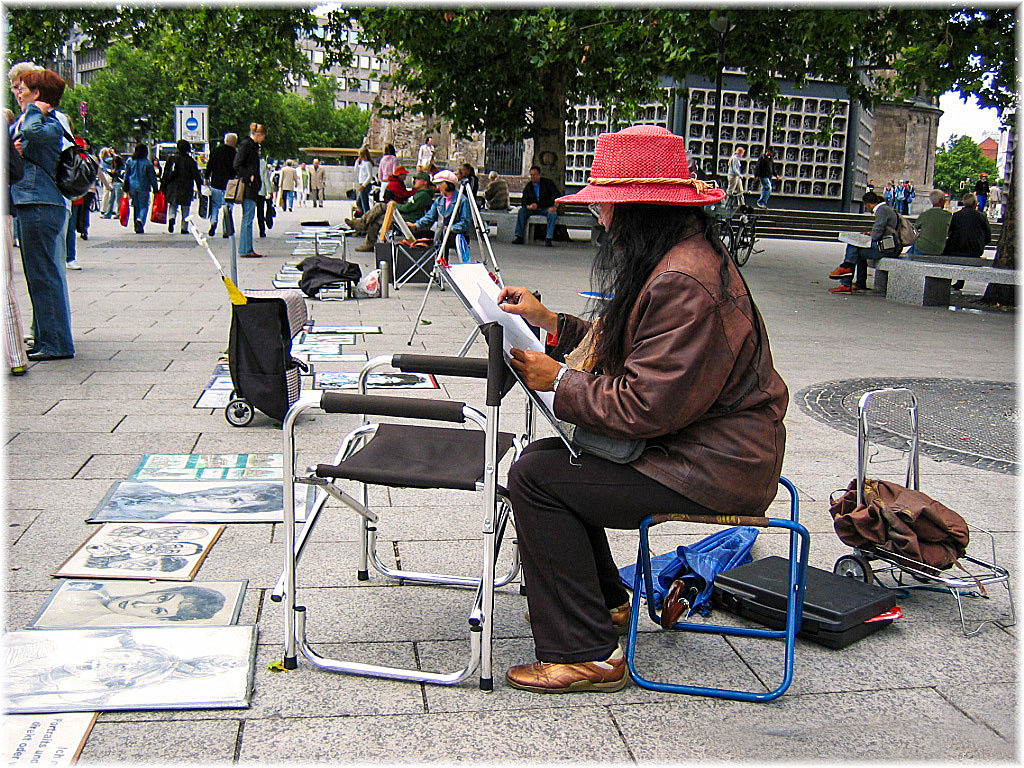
(160, 551)
(94, 603)
(73, 670)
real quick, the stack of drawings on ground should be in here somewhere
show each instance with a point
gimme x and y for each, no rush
(127, 627)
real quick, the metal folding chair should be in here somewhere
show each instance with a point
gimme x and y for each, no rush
(799, 545)
(417, 456)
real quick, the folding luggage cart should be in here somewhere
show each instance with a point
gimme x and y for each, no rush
(973, 573)
(264, 374)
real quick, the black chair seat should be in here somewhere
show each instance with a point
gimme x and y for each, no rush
(403, 456)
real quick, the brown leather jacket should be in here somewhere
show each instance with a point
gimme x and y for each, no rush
(693, 384)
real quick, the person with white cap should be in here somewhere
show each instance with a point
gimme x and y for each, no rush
(677, 357)
(443, 209)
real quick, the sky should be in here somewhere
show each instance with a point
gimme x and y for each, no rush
(965, 119)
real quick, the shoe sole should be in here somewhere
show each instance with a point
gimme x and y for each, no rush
(839, 277)
(580, 686)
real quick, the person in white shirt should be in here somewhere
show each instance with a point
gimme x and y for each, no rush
(425, 158)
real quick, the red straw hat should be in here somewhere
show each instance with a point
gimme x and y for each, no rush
(643, 164)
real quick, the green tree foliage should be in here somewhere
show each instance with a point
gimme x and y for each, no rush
(960, 159)
(241, 62)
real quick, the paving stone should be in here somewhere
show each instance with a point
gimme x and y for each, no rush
(208, 741)
(841, 726)
(590, 736)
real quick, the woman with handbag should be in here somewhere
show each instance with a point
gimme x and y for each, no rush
(139, 182)
(40, 208)
(676, 364)
(247, 169)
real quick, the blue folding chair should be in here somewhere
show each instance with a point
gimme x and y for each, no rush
(799, 545)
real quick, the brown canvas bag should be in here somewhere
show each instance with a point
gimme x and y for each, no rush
(902, 521)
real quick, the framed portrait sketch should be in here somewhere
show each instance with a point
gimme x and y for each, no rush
(336, 380)
(93, 603)
(167, 552)
(209, 466)
(223, 501)
(53, 740)
(213, 398)
(76, 670)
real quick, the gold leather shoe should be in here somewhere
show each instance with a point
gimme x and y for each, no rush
(543, 677)
(620, 617)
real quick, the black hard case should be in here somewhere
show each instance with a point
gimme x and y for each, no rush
(835, 607)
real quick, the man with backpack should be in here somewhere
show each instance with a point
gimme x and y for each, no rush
(852, 274)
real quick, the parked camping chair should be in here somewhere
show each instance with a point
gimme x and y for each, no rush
(409, 456)
(799, 544)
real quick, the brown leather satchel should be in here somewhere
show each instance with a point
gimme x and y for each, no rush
(902, 521)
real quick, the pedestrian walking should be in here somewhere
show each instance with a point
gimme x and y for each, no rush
(180, 177)
(219, 171)
(139, 182)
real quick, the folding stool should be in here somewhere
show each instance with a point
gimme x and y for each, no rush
(799, 544)
(414, 456)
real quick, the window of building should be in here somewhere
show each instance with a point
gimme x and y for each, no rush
(374, 63)
(353, 36)
(318, 57)
(364, 62)
(363, 106)
(375, 86)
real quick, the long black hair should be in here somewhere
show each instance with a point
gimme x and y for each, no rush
(640, 235)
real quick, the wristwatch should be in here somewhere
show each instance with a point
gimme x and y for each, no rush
(558, 378)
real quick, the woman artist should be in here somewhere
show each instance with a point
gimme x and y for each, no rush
(678, 357)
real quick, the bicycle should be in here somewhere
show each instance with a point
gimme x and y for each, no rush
(736, 227)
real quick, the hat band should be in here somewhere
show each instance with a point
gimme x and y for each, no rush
(699, 186)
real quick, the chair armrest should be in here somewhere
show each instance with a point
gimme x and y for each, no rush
(404, 407)
(470, 367)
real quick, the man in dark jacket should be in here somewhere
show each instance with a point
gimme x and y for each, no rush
(969, 231)
(219, 170)
(538, 200)
(981, 190)
(765, 171)
(180, 176)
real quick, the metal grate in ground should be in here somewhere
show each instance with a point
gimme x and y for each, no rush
(968, 422)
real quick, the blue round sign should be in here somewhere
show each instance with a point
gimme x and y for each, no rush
(192, 124)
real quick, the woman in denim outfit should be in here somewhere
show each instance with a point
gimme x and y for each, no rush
(139, 181)
(41, 212)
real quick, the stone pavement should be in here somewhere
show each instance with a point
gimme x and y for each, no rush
(150, 317)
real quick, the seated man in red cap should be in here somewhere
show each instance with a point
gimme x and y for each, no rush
(421, 197)
(395, 190)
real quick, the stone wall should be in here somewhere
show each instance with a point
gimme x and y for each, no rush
(408, 133)
(903, 147)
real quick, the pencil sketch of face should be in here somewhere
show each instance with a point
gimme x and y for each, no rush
(167, 548)
(163, 533)
(171, 604)
(147, 503)
(162, 563)
(91, 677)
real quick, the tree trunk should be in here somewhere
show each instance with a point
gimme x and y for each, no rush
(1006, 254)
(548, 130)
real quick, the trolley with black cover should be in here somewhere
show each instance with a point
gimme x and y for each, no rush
(264, 374)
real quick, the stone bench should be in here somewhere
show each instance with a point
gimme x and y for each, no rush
(927, 282)
(537, 225)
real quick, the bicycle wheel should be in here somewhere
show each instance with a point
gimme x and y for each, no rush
(744, 243)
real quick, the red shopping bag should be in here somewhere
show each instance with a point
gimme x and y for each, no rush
(158, 214)
(124, 211)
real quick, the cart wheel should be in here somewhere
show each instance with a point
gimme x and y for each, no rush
(853, 567)
(239, 413)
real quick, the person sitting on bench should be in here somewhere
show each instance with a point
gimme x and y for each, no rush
(538, 200)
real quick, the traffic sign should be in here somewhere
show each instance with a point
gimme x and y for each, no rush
(83, 109)
(191, 123)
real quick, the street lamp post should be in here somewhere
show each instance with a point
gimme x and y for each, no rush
(722, 26)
